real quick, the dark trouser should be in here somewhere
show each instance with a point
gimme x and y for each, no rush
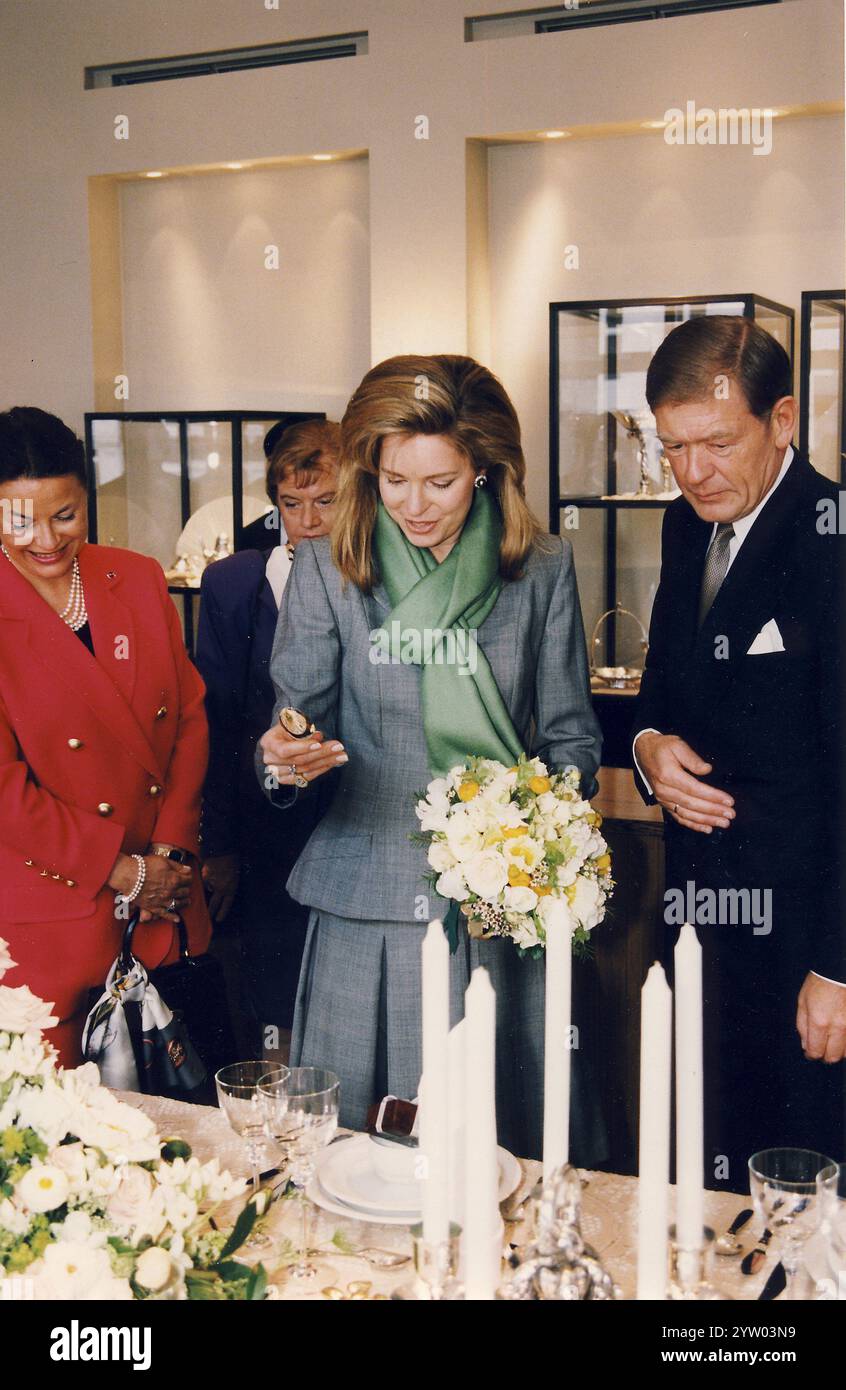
(760, 1090)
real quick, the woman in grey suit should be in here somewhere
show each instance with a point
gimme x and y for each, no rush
(432, 534)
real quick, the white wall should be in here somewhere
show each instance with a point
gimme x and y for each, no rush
(54, 135)
(206, 324)
(651, 219)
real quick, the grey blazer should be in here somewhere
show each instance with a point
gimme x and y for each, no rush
(360, 861)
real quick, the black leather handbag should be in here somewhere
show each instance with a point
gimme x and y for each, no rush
(178, 1058)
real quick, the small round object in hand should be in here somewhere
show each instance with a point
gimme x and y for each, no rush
(295, 723)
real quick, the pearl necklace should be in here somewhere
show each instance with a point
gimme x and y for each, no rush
(75, 612)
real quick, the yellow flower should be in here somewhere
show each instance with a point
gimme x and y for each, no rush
(594, 818)
(539, 784)
(514, 768)
(518, 878)
(603, 863)
(467, 791)
(542, 889)
(570, 891)
(512, 832)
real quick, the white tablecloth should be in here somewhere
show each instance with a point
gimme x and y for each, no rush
(609, 1206)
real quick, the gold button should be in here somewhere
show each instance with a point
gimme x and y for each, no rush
(71, 882)
(75, 743)
(29, 863)
(104, 809)
(155, 789)
(161, 711)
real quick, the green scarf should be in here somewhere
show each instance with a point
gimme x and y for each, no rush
(433, 608)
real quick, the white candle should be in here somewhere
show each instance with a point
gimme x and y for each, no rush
(690, 1141)
(656, 1037)
(434, 1131)
(482, 1223)
(556, 1079)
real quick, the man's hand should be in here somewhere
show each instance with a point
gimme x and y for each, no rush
(673, 770)
(220, 876)
(821, 1019)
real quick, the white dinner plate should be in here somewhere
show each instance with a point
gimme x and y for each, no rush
(347, 1176)
(320, 1198)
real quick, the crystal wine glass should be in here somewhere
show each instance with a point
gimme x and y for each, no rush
(239, 1099)
(783, 1184)
(831, 1189)
(304, 1124)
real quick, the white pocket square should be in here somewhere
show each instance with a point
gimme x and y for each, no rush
(768, 640)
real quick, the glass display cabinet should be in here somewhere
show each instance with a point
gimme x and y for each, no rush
(609, 479)
(822, 390)
(179, 485)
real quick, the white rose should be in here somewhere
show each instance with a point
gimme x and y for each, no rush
(441, 856)
(553, 912)
(79, 1229)
(101, 1121)
(70, 1158)
(47, 1110)
(432, 818)
(21, 1011)
(463, 837)
(6, 962)
(486, 873)
(525, 933)
(153, 1268)
(12, 1218)
(451, 885)
(130, 1197)
(588, 903)
(77, 1272)
(43, 1187)
(519, 899)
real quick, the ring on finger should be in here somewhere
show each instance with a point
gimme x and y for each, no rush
(676, 809)
(299, 780)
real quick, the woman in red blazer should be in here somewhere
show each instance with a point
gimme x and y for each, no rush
(103, 740)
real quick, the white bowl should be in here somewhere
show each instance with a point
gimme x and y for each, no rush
(393, 1162)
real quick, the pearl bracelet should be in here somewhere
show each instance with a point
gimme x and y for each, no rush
(139, 881)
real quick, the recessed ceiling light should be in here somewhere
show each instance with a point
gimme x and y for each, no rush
(154, 174)
(555, 134)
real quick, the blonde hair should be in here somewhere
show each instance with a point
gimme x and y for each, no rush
(449, 395)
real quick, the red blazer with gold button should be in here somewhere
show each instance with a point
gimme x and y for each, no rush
(97, 755)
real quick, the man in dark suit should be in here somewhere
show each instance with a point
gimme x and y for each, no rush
(247, 852)
(738, 735)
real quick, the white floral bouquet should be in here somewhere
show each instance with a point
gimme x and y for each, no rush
(506, 842)
(93, 1204)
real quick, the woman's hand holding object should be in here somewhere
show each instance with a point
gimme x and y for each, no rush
(288, 758)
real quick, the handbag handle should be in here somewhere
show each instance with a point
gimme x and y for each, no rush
(126, 952)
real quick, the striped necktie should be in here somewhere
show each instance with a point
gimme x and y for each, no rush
(716, 565)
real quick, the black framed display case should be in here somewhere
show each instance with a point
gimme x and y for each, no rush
(179, 482)
(609, 482)
(822, 382)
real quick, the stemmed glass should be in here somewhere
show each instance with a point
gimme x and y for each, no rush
(239, 1099)
(783, 1184)
(831, 1189)
(303, 1121)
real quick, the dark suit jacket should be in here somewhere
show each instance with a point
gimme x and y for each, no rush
(770, 724)
(238, 617)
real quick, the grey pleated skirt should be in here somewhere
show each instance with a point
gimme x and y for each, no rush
(358, 1013)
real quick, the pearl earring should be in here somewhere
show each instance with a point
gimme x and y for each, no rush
(480, 480)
